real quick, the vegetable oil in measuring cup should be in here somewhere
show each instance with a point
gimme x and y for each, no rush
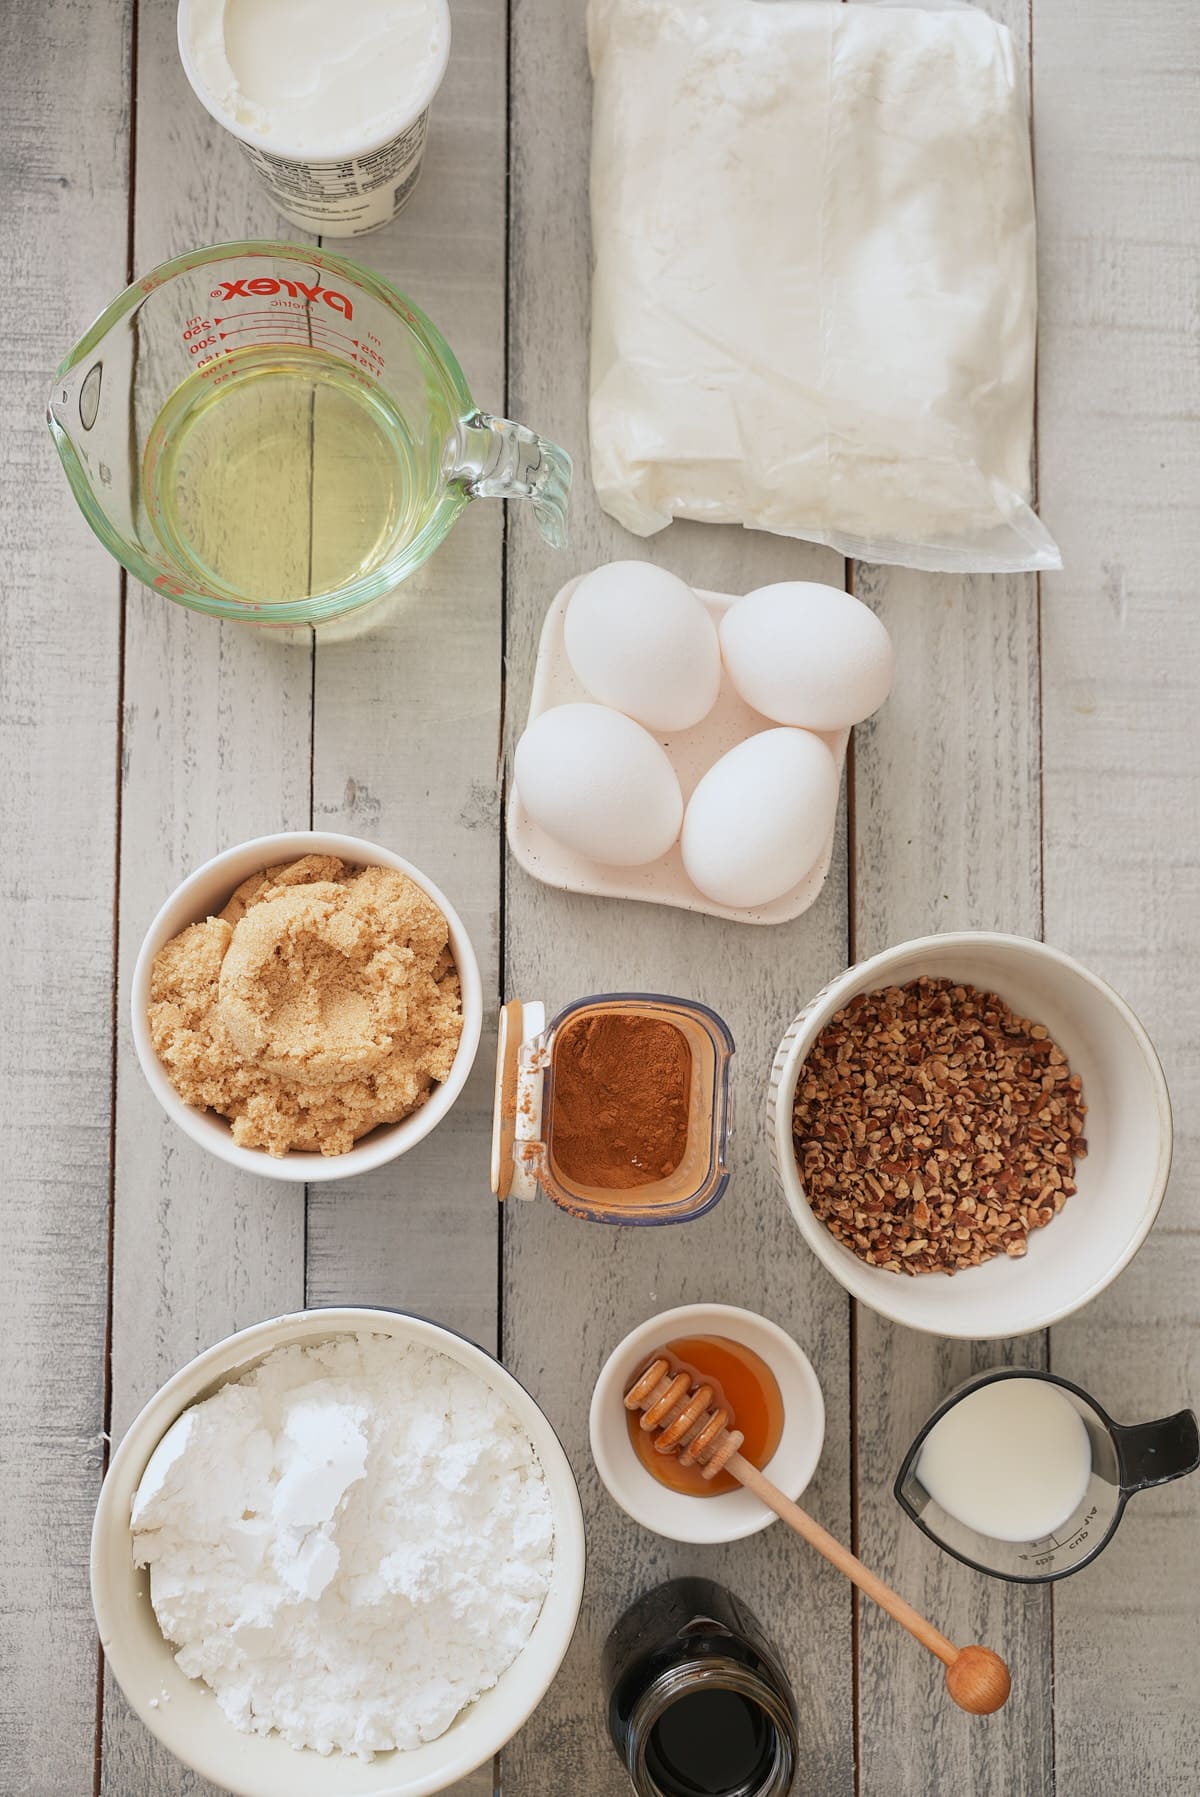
(289, 474)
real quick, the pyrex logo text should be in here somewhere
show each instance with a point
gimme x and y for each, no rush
(263, 286)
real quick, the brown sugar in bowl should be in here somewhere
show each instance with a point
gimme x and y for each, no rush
(204, 893)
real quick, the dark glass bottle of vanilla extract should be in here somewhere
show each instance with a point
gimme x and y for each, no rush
(698, 1704)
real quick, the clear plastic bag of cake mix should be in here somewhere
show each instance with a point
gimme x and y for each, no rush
(814, 300)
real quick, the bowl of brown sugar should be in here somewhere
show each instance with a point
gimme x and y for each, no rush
(307, 1006)
(972, 1131)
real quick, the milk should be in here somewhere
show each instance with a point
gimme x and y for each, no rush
(1011, 1460)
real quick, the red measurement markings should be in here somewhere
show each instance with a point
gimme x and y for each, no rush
(262, 334)
(197, 334)
(208, 343)
(323, 333)
(294, 314)
(278, 322)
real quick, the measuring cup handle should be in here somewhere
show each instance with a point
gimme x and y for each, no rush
(498, 459)
(1154, 1453)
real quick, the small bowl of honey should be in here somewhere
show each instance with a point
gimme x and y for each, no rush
(756, 1371)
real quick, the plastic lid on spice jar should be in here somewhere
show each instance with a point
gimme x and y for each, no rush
(619, 1110)
(518, 1095)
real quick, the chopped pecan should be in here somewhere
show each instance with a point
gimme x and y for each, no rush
(942, 1090)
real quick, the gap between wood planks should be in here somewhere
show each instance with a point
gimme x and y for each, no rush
(1041, 823)
(502, 770)
(115, 1006)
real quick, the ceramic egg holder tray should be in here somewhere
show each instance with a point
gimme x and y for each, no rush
(691, 753)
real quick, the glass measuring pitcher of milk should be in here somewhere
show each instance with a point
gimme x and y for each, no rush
(269, 432)
(1023, 1475)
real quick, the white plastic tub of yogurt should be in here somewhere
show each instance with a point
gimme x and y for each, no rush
(330, 104)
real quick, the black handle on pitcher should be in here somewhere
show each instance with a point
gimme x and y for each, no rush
(1154, 1453)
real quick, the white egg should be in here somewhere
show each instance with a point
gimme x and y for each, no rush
(600, 784)
(807, 654)
(760, 817)
(639, 639)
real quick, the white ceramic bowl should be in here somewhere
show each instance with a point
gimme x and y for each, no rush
(733, 1514)
(202, 895)
(1121, 1180)
(183, 1713)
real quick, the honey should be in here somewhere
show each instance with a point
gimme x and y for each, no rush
(743, 1383)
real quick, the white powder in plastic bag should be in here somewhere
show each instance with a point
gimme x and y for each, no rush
(814, 303)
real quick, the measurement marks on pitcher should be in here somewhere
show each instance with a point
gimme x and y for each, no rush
(209, 340)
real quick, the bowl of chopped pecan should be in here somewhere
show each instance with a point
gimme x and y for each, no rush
(972, 1131)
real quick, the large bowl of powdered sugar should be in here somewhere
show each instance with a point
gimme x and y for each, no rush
(340, 1554)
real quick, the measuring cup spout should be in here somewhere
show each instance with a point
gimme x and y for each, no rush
(498, 459)
(1154, 1453)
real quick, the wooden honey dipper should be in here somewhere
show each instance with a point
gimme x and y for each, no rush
(976, 1678)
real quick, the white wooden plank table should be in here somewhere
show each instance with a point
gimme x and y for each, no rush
(1035, 769)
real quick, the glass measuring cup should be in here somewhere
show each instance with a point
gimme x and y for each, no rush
(1126, 1458)
(269, 432)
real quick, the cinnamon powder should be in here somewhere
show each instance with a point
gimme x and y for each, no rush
(620, 1100)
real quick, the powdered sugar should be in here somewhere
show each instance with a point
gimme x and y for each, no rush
(814, 301)
(348, 1545)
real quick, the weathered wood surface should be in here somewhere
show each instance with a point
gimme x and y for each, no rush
(215, 750)
(1118, 165)
(1037, 762)
(572, 1290)
(945, 836)
(407, 727)
(59, 659)
(226, 738)
(406, 731)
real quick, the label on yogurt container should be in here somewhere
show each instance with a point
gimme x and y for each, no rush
(348, 197)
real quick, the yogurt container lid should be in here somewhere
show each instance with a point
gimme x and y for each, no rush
(518, 1100)
(327, 88)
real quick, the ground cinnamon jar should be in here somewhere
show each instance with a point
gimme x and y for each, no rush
(618, 1110)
